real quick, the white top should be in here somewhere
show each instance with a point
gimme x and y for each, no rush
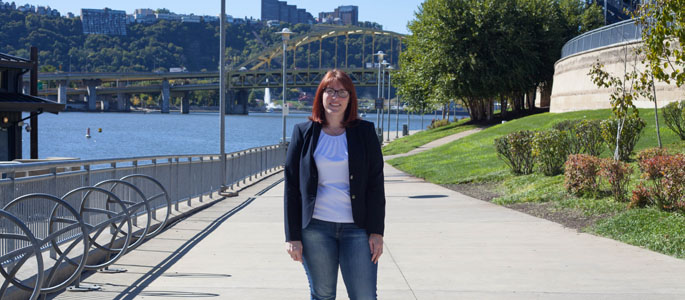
(333, 192)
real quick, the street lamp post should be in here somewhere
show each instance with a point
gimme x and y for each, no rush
(222, 93)
(390, 68)
(285, 34)
(380, 55)
(384, 64)
(397, 118)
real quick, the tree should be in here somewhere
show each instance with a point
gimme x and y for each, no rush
(480, 51)
(663, 35)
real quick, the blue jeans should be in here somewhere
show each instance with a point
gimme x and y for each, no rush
(327, 245)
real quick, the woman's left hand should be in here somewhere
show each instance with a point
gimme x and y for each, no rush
(376, 245)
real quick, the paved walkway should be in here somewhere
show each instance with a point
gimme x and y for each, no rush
(439, 244)
(435, 143)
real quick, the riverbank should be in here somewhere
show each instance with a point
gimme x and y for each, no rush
(470, 165)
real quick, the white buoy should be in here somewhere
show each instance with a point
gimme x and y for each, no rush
(88, 133)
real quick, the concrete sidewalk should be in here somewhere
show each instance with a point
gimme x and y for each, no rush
(435, 143)
(439, 244)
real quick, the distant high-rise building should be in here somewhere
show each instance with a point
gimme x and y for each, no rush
(103, 21)
(348, 14)
(292, 14)
(283, 11)
(274, 10)
(270, 10)
(618, 10)
(343, 15)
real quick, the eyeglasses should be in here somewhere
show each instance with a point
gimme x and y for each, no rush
(341, 93)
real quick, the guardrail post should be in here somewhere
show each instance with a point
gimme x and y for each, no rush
(261, 160)
(114, 170)
(154, 168)
(245, 167)
(211, 182)
(188, 179)
(12, 176)
(232, 171)
(251, 161)
(238, 169)
(87, 179)
(202, 177)
(178, 194)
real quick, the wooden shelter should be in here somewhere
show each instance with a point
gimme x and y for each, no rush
(13, 103)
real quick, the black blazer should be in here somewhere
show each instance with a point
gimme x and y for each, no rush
(365, 159)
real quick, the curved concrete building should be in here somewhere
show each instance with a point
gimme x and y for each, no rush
(573, 89)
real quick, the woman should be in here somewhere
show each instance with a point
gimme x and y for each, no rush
(334, 195)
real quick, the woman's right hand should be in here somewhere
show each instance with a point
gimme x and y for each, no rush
(294, 248)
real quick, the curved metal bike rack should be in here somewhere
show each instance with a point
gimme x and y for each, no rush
(69, 219)
(80, 217)
(162, 193)
(26, 253)
(115, 221)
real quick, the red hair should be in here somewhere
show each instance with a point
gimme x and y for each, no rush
(341, 77)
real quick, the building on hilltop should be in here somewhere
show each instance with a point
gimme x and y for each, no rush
(208, 19)
(148, 16)
(169, 16)
(618, 10)
(103, 21)
(190, 18)
(7, 6)
(144, 15)
(40, 10)
(342, 15)
(274, 10)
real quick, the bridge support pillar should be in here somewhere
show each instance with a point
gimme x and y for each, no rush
(92, 94)
(165, 96)
(185, 103)
(62, 91)
(236, 103)
(122, 99)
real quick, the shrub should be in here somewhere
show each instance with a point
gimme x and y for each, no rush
(569, 128)
(667, 174)
(438, 123)
(649, 153)
(674, 117)
(632, 128)
(515, 150)
(580, 174)
(550, 149)
(641, 197)
(589, 136)
(617, 174)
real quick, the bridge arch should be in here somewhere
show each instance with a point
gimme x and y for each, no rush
(263, 60)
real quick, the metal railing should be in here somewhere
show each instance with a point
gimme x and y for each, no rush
(52, 206)
(619, 32)
(185, 176)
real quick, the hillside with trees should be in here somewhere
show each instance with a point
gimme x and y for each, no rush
(147, 47)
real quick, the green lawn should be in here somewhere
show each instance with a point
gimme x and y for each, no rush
(473, 159)
(410, 142)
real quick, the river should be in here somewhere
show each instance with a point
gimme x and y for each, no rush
(140, 134)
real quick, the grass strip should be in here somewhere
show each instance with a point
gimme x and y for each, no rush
(651, 228)
(474, 159)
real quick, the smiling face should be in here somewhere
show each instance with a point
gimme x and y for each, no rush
(334, 105)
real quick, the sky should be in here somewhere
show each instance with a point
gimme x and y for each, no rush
(392, 14)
